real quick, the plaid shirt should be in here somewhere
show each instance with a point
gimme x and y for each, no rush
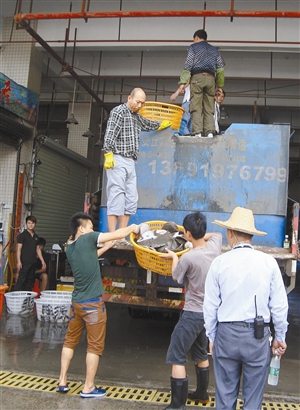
(203, 57)
(123, 130)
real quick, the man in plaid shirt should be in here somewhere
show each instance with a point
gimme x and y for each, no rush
(121, 147)
(204, 69)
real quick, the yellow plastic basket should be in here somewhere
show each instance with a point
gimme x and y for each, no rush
(151, 260)
(158, 111)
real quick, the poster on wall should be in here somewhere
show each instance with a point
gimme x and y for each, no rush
(18, 99)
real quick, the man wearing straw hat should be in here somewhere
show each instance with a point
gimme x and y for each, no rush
(243, 289)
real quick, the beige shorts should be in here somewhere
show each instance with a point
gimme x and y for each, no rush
(92, 316)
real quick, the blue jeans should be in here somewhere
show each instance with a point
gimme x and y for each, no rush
(186, 122)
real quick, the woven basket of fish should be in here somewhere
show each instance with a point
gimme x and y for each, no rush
(150, 243)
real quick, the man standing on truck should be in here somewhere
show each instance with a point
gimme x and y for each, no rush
(244, 287)
(204, 68)
(87, 309)
(189, 333)
(121, 147)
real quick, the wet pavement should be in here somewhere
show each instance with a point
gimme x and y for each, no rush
(134, 356)
(30, 400)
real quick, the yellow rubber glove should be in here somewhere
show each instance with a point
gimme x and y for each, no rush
(164, 124)
(109, 160)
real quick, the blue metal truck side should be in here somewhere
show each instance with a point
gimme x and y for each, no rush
(246, 166)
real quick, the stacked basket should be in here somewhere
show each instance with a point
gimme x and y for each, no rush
(19, 302)
(54, 306)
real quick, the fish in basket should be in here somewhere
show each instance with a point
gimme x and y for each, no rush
(154, 237)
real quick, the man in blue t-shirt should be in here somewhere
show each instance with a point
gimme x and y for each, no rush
(88, 309)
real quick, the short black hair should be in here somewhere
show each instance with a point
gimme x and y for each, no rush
(201, 34)
(41, 241)
(31, 218)
(78, 219)
(195, 223)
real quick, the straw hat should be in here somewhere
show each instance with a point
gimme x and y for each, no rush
(241, 220)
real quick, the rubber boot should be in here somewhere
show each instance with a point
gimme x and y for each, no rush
(179, 391)
(201, 394)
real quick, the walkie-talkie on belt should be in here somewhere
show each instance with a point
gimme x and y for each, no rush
(258, 324)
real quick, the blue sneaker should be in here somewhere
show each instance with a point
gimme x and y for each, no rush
(96, 393)
(63, 389)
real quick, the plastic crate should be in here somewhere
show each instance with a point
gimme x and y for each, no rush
(20, 302)
(63, 298)
(53, 310)
(64, 287)
(158, 111)
(151, 260)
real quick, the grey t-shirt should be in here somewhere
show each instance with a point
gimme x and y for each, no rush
(192, 270)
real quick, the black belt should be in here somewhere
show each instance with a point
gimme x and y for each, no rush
(194, 72)
(245, 324)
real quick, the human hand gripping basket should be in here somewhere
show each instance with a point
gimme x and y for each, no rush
(158, 111)
(151, 260)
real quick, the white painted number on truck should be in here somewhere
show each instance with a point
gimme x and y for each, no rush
(245, 172)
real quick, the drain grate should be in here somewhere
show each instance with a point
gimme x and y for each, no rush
(30, 382)
(46, 384)
(128, 393)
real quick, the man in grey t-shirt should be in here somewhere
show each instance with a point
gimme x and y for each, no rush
(189, 333)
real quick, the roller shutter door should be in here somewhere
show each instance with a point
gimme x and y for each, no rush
(59, 192)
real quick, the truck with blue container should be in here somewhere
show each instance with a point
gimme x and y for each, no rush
(246, 166)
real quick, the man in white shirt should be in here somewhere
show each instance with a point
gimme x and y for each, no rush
(219, 98)
(241, 285)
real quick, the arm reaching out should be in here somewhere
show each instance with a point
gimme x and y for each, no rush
(104, 248)
(175, 95)
(118, 234)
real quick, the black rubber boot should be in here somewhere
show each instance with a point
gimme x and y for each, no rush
(201, 394)
(179, 391)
